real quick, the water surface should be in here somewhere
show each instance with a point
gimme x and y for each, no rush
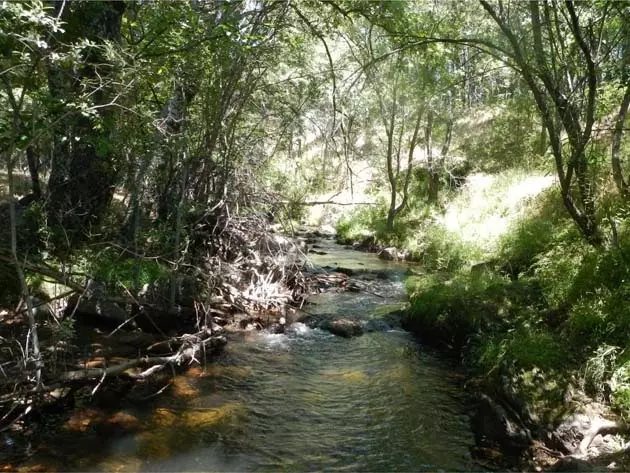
(305, 400)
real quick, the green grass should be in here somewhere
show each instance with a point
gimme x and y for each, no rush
(550, 307)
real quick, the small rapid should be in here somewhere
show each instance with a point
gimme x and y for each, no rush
(304, 400)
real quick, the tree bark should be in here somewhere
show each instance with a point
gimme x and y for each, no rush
(622, 184)
(33, 169)
(433, 181)
(84, 165)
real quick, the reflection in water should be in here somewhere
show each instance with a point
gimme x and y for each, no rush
(302, 401)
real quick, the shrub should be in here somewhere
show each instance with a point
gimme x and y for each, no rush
(118, 270)
(544, 224)
(360, 223)
(456, 309)
(440, 250)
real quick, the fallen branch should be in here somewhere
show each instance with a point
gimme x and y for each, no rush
(331, 202)
(153, 364)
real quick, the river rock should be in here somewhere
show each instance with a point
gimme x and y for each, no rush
(389, 254)
(344, 328)
(586, 432)
(392, 254)
(377, 325)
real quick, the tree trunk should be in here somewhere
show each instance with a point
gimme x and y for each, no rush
(33, 169)
(31, 350)
(434, 177)
(542, 140)
(622, 184)
(84, 166)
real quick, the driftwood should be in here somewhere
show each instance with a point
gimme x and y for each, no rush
(191, 347)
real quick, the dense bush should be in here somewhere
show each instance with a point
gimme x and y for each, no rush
(564, 306)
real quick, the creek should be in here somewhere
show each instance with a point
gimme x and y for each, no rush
(304, 400)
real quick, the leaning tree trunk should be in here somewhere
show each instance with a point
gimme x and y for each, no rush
(622, 184)
(434, 175)
(84, 162)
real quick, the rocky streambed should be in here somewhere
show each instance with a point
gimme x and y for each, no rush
(345, 388)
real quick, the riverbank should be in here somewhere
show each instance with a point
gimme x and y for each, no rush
(542, 328)
(104, 343)
(536, 315)
(304, 399)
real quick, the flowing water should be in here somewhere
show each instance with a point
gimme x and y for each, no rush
(305, 400)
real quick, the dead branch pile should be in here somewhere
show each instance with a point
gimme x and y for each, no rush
(237, 266)
(247, 266)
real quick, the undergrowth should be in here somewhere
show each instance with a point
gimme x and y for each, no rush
(545, 303)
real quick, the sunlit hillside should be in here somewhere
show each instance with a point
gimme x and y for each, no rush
(488, 205)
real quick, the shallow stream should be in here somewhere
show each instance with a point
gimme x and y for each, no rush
(305, 400)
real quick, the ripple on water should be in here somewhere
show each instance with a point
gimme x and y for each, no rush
(306, 400)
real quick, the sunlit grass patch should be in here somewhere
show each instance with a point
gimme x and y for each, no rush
(483, 211)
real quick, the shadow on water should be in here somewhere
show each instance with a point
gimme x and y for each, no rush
(300, 401)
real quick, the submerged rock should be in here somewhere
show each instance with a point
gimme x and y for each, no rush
(344, 328)
(277, 328)
(377, 325)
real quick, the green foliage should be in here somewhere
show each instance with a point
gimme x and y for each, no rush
(121, 271)
(294, 209)
(495, 321)
(363, 222)
(598, 369)
(440, 250)
(564, 308)
(544, 224)
(509, 137)
(454, 309)
(620, 386)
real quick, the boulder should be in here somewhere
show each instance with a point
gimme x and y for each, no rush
(344, 328)
(577, 433)
(389, 254)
